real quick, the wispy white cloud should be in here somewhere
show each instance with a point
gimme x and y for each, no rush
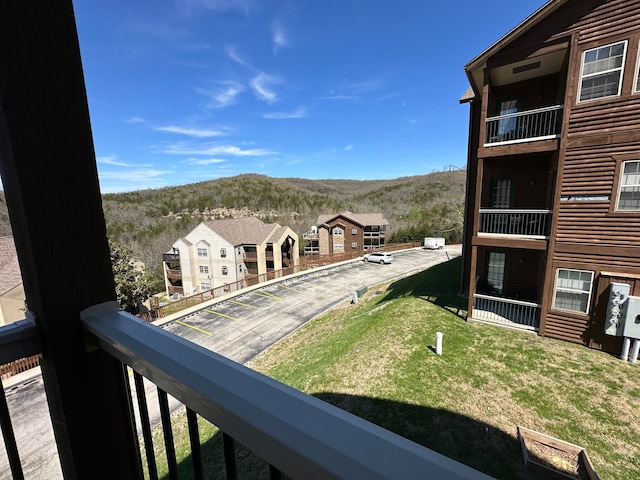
(182, 149)
(299, 113)
(111, 160)
(278, 36)
(189, 6)
(204, 161)
(135, 120)
(192, 132)
(348, 147)
(223, 97)
(357, 90)
(133, 179)
(342, 97)
(261, 85)
(233, 54)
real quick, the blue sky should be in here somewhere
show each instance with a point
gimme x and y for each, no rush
(182, 91)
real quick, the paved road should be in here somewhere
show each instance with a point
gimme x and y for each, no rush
(239, 328)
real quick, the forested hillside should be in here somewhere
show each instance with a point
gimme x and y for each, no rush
(149, 221)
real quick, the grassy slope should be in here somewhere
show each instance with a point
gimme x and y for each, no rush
(374, 359)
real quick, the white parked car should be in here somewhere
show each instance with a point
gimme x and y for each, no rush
(379, 257)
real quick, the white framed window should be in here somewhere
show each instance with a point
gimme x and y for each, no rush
(495, 270)
(338, 246)
(202, 252)
(225, 270)
(601, 72)
(354, 231)
(501, 193)
(204, 268)
(629, 189)
(223, 252)
(636, 82)
(205, 286)
(338, 231)
(572, 290)
(354, 244)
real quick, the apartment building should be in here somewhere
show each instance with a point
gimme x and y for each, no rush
(553, 175)
(346, 232)
(220, 252)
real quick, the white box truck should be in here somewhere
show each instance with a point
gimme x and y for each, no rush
(434, 242)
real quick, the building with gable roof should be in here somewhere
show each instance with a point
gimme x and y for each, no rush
(552, 215)
(346, 232)
(12, 299)
(220, 252)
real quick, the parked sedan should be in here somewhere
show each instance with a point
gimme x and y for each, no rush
(379, 257)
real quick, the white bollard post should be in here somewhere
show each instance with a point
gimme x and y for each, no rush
(354, 299)
(634, 352)
(439, 343)
(626, 344)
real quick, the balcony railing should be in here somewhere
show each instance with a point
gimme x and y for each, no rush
(540, 124)
(174, 274)
(523, 223)
(296, 434)
(170, 257)
(506, 311)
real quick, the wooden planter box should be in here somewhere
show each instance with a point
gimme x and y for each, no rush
(554, 457)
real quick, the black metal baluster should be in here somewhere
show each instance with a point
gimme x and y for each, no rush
(9, 437)
(165, 415)
(229, 456)
(146, 426)
(194, 439)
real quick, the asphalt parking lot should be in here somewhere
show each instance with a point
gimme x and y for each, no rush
(243, 326)
(238, 327)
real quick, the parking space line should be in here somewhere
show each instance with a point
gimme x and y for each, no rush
(245, 304)
(289, 288)
(221, 314)
(262, 293)
(195, 328)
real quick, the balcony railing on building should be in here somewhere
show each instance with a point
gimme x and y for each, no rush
(520, 222)
(506, 311)
(539, 124)
(174, 274)
(294, 433)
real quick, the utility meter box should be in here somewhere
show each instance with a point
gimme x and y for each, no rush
(631, 327)
(617, 309)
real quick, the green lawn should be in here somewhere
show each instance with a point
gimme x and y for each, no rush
(376, 360)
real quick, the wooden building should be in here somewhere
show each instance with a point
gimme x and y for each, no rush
(553, 177)
(346, 232)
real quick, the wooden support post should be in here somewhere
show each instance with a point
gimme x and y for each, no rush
(50, 179)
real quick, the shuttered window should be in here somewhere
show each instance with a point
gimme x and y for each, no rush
(629, 194)
(573, 290)
(601, 74)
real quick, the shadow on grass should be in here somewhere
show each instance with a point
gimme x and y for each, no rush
(439, 285)
(468, 441)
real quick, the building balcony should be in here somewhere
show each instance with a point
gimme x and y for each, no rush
(172, 290)
(250, 257)
(170, 257)
(298, 435)
(534, 224)
(528, 126)
(174, 274)
(506, 312)
(310, 236)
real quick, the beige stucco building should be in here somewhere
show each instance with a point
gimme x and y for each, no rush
(12, 299)
(221, 252)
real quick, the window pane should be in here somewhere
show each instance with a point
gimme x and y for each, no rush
(601, 71)
(495, 270)
(629, 194)
(573, 290)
